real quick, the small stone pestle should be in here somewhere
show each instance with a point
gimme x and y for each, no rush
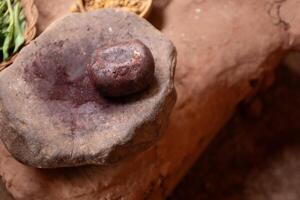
(122, 69)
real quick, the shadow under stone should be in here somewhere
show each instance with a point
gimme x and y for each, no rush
(253, 158)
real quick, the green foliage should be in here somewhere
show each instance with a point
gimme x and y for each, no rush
(12, 26)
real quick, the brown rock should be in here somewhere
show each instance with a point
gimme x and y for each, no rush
(53, 116)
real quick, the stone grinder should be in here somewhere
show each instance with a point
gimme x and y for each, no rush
(74, 96)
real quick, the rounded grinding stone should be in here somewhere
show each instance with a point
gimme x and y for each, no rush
(122, 69)
(51, 115)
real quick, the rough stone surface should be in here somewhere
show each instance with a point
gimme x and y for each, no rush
(53, 116)
(224, 47)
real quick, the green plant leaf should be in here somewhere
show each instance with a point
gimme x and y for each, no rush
(18, 32)
(7, 42)
(10, 32)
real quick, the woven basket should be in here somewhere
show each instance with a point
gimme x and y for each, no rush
(31, 14)
(79, 6)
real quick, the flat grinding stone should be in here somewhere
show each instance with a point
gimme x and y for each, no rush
(52, 116)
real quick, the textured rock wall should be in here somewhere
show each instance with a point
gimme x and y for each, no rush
(225, 49)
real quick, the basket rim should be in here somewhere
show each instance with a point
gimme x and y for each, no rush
(80, 4)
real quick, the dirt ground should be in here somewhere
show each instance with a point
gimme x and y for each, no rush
(254, 157)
